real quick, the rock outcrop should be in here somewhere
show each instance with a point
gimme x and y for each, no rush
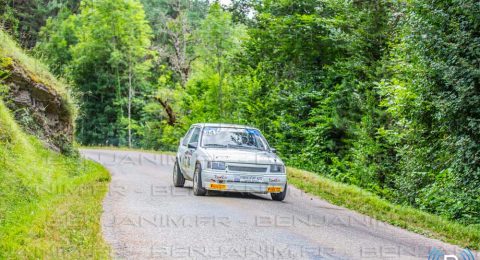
(39, 108)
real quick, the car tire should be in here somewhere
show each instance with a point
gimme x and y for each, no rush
(178, 179)
(279, 196)
(198, 190)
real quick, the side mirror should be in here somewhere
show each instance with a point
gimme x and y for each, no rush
(273, 150)
(181, 141)
(192, 145)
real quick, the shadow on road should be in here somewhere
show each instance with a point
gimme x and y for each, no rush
(238, 195)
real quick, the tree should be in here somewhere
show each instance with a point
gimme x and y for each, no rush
(55, 40)
(113, 41)
(23, 19)
(218, 39)
(433, 97)
(174, 22)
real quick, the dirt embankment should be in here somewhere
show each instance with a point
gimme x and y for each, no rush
(38, 108)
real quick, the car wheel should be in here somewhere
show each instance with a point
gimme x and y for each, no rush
(198, 190)
(279, 196)
(178, 179)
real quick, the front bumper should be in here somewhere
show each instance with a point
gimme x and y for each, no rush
(243, 182)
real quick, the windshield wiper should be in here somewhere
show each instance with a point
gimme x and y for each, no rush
(215, 145)
(242, 146)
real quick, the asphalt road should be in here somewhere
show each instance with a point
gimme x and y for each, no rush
(145, 217)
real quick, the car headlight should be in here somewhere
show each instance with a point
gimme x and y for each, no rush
(216, 165)
(277, 168)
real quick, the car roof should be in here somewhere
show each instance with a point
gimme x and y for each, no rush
(222, 125)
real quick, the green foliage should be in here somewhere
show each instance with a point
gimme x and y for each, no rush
(24, 19)
(55, 40)
(8, 19)
(5, 62)
(102, 51)
(434, 95)
(113, 37)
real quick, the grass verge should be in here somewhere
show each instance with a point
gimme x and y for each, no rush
(367, 203)
(50, 204)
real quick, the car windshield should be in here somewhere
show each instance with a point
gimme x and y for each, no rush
(230, 137)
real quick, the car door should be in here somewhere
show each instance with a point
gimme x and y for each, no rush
(190, 155)
(182, 149)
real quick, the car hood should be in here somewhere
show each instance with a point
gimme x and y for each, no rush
(242, 156)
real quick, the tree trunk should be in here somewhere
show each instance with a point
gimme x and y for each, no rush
(172, 120)
(130, 106)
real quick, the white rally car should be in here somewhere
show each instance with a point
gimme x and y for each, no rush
(227, 157)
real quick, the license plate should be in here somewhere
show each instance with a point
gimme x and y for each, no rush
(218, 186)
(274, 189)
(254, 179)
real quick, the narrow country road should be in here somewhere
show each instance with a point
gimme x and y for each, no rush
(145, 217)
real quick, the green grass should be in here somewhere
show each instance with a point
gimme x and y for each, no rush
(50, 204)
(415, 220)
(36, 70)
